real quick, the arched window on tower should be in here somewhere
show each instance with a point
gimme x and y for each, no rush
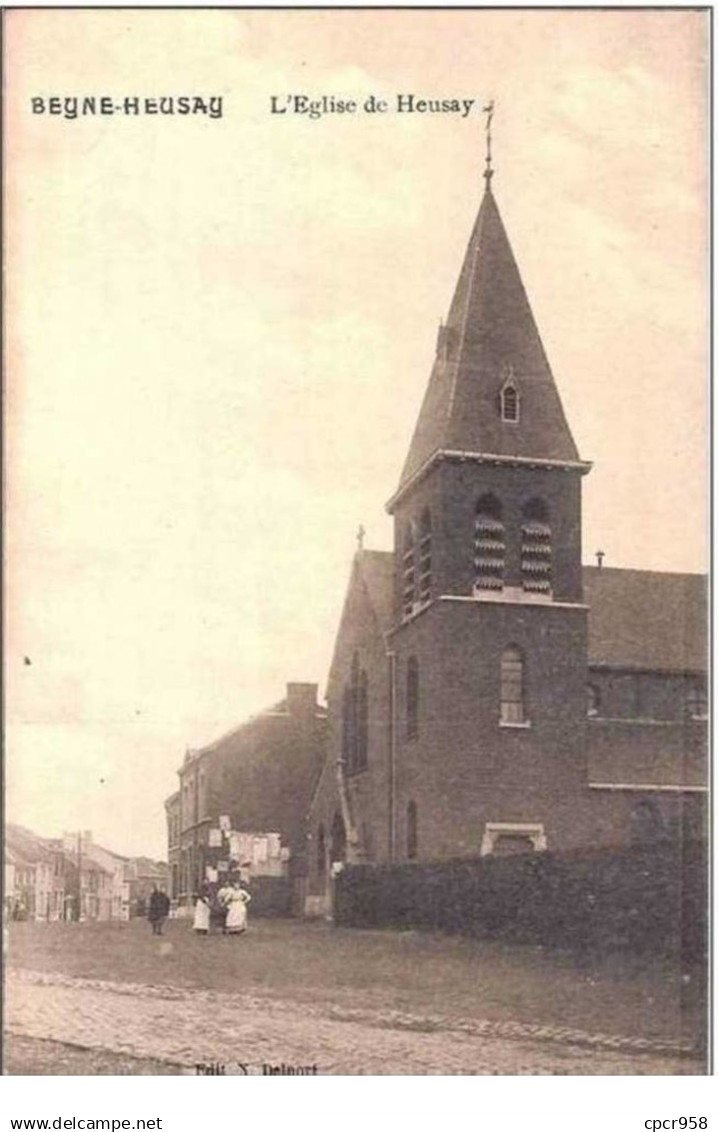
(489, 544)
(536, 547)
(513, 708)
(408, 596)
(412, 698)
(425, 557)
(412, 831)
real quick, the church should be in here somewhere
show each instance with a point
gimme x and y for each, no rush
(489, 693)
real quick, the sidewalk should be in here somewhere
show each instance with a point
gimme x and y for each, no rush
(182, 1028)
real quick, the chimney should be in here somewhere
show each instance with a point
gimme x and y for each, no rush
(302, 700)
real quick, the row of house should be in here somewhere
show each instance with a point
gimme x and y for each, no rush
(74, 878)
(489, 693)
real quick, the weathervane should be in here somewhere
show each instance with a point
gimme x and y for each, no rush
(489, 112)
(360, 537)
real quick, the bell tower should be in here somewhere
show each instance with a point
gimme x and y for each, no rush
(490, 629)
(492, 453)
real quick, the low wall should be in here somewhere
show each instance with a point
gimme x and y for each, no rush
(652, 899)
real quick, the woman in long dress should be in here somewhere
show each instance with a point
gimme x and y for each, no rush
(236, 899)
(201, 912)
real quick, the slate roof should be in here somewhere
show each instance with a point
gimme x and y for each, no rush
(377, 568)
(646, 619)
(638, 618)
(490, 333)
(267, 768)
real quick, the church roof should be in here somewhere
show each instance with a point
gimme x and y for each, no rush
(490, 340)
(646, 619)
(377, 573)
(638, 618)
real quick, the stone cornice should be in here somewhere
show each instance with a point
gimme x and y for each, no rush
(580, 466)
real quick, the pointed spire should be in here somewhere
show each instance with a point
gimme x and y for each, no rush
(489, 343)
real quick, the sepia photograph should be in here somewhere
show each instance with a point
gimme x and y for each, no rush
(357, 386)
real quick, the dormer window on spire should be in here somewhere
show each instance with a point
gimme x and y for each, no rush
(509, 401)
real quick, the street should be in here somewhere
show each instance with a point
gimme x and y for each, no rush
(224, 1005)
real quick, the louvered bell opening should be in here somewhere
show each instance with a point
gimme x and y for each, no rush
(529, 566)
(489, 546)
(408, 593)
(425, 571)
(537, 585)
(488, 526)
(534, 529)
(537, 549)
(488, 565)
(488, 582)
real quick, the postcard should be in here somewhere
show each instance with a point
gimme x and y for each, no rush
(357, 382)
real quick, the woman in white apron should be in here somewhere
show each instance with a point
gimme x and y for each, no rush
(236, 899)
(201, 913)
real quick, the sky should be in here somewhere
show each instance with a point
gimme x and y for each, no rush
(220, 331)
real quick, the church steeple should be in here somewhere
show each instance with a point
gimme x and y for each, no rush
(491, 393)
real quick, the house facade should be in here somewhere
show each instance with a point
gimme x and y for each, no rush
(488, 692)
(97, 877)
(242, 800)
(141, 876)
(35, 876)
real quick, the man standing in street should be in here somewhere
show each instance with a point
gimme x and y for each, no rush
(158, 910)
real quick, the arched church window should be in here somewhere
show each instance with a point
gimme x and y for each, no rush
(412, 831)
(489, 544)
(348, 738)
(321, 851)
(512, 686)
(408, 599)
(536, 547)
(338, 840)
(509, 401)
(362, 708)
(355, 719)
(412, 698)
(425, 557)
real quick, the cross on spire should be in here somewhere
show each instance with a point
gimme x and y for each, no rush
(489, 112)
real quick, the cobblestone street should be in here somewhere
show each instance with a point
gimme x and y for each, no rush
(184, 1027)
